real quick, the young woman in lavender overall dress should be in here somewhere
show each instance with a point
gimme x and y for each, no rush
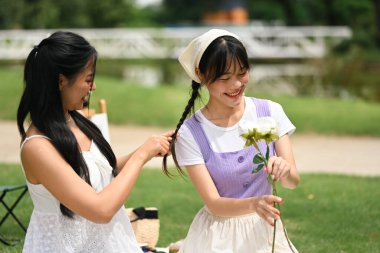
(238, 215)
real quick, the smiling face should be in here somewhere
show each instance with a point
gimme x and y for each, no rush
(227, 90)
(75, 93)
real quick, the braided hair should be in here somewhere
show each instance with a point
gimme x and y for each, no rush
(195, 93)
(216, 59)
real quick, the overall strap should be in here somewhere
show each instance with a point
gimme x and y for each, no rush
(262, 110)
(199, 135)
(262, 107)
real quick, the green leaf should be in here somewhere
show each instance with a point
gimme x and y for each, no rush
(258, 159)
(259, 167)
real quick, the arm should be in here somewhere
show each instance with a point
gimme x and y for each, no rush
(221, 206)
(44, 165)
(283, 166)
(122, 160)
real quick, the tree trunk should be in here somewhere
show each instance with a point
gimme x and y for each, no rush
(376, 4)
(330, 15)
(288, 7)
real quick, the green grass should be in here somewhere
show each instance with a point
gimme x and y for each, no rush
(326, 213)
(162, 106)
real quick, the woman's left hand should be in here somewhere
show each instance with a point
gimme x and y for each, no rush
(278, 167)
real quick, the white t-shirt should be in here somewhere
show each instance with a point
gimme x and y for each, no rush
(225, 139)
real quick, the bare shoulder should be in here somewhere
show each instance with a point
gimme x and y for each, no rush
(37, 155)
(35, 144)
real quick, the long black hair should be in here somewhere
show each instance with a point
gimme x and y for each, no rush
(68, 54)
(215, 61)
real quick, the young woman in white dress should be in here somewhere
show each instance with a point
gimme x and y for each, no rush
(77, 185)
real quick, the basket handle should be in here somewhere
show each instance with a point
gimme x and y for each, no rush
(143, 213)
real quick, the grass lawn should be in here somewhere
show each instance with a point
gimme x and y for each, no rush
(326, 213)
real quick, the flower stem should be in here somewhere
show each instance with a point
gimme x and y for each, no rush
(274, 235)
(274, 189)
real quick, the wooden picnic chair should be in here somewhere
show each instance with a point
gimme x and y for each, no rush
(100, 118)
(9, 206)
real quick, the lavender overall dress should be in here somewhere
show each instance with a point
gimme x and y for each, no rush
(232, 175)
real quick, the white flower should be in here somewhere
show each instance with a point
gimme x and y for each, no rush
(263, 125)
(267, 125)
(245, 126)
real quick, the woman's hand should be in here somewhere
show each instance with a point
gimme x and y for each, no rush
(156, 145)
(169, 135)
(278, 167)
(265, 207)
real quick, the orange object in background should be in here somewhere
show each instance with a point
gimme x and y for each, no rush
(226, 12)
(235, 16)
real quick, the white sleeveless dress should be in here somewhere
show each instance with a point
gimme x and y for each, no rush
(49, 231)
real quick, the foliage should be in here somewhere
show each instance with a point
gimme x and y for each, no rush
(359, 15)
(39, 14)
(339, 217)
(190, 12)
(351, 74)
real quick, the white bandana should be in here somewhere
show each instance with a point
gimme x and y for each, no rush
(192, 55)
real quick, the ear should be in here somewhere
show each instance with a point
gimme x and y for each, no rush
(62, 81)
(199, 74)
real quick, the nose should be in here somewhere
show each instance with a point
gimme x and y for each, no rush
(237, 82)
(93, 86)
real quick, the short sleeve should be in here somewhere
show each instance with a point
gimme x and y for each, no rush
(278, 113)
(187, 149)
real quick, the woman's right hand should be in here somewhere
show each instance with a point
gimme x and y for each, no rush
(155, 145)
(265, 207)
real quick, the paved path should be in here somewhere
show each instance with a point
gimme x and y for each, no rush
(314, 153)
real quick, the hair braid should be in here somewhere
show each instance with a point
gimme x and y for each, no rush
(189, 108)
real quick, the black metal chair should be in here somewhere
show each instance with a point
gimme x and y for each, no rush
(20, 190)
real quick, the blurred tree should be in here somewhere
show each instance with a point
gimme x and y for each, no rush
(110, 13)
(184, 11)
(290, 11)
(11, 13)
(362, 16)
(72, 13)
(40, 14)
(376, 3)
(269, 10)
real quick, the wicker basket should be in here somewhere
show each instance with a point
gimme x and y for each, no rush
(145, 224)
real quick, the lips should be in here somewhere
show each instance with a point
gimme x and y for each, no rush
(235, 93)
(85, 99)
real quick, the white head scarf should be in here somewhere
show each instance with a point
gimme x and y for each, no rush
(192, 55)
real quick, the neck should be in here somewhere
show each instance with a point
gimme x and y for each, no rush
(68, 118)
(223, 116)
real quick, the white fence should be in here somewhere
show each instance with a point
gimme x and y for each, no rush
(262, 42)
